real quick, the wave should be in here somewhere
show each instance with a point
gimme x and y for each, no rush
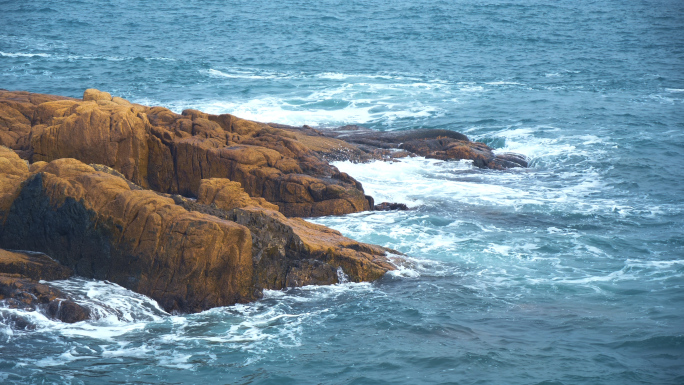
(23, 54)
(53, 56)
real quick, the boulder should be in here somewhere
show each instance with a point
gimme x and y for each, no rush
(388, 206)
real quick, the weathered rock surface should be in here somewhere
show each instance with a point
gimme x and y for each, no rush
(13, 171)
(227, 195)
(171, 153)
(20, 287)
(194, 210)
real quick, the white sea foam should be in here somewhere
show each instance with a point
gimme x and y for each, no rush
(411, 267)
(328, 107)
(23, 54)
(504, 83)
(418, 181)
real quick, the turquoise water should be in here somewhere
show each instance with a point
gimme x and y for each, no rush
(569, 272)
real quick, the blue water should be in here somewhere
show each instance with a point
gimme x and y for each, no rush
(569, 272)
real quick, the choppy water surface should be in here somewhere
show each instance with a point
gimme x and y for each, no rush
(569, 272)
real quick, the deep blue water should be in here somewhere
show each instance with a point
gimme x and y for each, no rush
(569, 272)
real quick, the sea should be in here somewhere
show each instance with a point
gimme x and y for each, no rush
(570, 271)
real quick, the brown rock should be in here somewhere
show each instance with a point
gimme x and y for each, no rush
(95, 95)
(99, 221)
(36, 266)
(171, 153)
(292, 252)
(227, 195)
(364, 145)
(110, 134)
(17, 109)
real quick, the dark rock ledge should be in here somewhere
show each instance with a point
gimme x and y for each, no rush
(193, 210)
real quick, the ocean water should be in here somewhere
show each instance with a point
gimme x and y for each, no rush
(568, 272)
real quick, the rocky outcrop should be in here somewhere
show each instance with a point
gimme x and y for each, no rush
(193, 210)
(21, 276)
(171, 153)
(189, 255)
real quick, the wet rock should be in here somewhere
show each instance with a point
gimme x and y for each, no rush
(387, 206)
(21, 277)
(429, 143)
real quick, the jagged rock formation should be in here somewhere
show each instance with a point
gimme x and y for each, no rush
(290, 252)
(95, 224)
(171, 153)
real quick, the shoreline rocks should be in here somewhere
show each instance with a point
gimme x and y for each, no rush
(193, 210)
(21, 274)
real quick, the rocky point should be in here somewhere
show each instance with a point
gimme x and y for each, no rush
(193, 210)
